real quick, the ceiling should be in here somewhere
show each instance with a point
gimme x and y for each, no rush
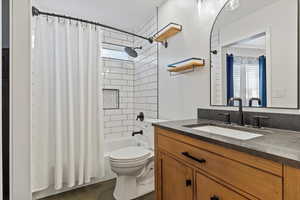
(125, 14)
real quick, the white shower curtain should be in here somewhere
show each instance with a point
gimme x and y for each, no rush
(67, 114)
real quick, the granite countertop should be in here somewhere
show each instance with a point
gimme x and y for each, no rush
(282, 146)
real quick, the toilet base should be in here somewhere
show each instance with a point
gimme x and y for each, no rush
(127, 188)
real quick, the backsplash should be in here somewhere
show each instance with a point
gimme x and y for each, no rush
(276, 120)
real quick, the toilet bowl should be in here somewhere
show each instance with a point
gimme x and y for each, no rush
(132, 165)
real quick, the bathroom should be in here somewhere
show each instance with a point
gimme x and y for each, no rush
(144, 100)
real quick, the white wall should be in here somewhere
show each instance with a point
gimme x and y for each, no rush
(20, 104)
(180, 96)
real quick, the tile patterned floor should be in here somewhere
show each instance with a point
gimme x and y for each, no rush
(101, 191)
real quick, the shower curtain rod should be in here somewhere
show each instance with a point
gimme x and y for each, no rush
(37, 12)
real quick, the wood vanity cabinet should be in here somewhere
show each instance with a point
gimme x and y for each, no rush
(177, 180)
(191, 169)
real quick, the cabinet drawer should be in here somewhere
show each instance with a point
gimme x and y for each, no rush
(256, 182)
(208, 189)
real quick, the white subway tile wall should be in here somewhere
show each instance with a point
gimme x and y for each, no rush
(119, 74)
(146, 71)
(136, 80)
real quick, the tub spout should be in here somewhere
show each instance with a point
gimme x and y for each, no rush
(137, 133)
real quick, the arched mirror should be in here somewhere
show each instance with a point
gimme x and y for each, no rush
(254, 54)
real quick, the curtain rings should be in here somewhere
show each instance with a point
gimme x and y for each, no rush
(61, 20)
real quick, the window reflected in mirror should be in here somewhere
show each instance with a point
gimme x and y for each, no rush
(246, 70)
(254, 54)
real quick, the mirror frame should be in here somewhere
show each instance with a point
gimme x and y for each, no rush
(298, 64)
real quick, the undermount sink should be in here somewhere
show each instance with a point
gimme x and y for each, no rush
(227, 132)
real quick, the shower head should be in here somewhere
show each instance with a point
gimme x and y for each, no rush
(131, 51)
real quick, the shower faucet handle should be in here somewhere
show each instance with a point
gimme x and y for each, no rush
(140, 116)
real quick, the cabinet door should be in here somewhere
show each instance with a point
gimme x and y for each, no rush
(208, 189)
(175, 180)
(291, 183)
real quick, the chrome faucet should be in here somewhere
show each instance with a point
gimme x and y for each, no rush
(254, 99)
(241, 114)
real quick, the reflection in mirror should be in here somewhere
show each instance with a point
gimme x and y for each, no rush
(246, 69)
(254, 54)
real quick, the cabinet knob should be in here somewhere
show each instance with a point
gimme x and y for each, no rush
(188, 183)
(214, 198)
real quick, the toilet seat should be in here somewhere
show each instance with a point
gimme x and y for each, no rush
(130, 164)
(130, 155)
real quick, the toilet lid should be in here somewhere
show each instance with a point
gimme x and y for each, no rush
(130, 153)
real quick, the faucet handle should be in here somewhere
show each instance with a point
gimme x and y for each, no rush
(140, 116)
(258, 119)
(254, 99)
(230, 102)
(227, 117)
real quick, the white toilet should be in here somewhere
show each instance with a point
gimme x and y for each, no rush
(134, 165)
(134, 169)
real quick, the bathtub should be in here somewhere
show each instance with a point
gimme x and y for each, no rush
(109, 146)
(147, 140)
